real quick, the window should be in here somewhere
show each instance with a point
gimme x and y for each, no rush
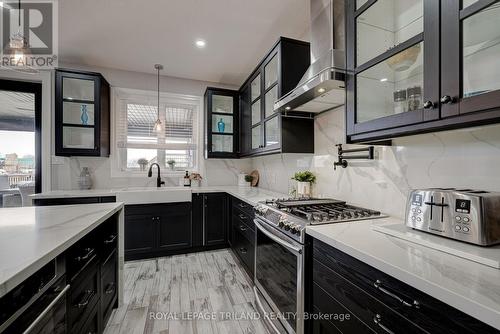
(139, 145)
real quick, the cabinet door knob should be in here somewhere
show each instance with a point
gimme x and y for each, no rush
(446, 99)
(428, 105)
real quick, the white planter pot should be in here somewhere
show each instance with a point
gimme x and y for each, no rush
(303, 189)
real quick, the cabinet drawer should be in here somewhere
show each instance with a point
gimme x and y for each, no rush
(108, 286)
(374, 314)
(425, 311)
(243, 206)
(244, 229)
(244, 217)
(80, 255)
(245, 251)
(83, 297)
(107, 235)
(324, 304)
(91, 326)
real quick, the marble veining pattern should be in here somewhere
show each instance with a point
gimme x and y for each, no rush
(465, 158)
(468, 286)
(161, 293)
(31, 236)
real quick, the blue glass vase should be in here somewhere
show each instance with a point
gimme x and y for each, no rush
(221, 125)
(85, 116)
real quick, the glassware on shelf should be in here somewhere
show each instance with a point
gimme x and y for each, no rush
(85, 116)
(221, 125)
(414, 98)
(400, 103)
(405, 59)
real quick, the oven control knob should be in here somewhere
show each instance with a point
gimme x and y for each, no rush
(287, 226)
(283, 220)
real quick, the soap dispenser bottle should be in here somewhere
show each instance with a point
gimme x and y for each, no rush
(187, 180)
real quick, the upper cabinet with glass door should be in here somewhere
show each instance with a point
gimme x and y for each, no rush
(421, 66)
(263, 129)
(82, 114)
(221, 126)
(471, 58)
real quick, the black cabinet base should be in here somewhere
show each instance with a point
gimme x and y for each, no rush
(149, 255)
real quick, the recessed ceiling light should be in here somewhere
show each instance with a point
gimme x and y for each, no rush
(200, 43)
(287, 108)
(383, 80)
(321, 90)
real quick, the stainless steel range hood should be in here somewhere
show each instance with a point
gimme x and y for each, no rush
(322, 86)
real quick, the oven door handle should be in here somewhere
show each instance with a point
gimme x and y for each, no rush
(47, 310)
(280, 241)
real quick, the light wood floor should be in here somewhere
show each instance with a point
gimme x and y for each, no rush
(182, 286)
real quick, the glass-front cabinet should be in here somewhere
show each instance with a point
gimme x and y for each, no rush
(82, 114)
(420, 66)
(221, 123)
(395, 52)
(470, 57)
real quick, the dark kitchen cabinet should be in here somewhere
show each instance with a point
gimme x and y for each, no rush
(243, 234)
(375, 301)
(73, 200)
(82, 114)
(422, 67)
(221, 123)
(262, 130)
(157, 229)
(210, 220)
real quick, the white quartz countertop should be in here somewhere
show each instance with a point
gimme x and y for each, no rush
(252, 195)
(468, 286)
(31, 236)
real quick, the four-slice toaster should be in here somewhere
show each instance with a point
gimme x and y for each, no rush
(463, 214)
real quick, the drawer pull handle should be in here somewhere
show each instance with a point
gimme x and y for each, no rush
(243, 250)
(89, 253)
(378, 285)
(111, 239)
(241, 205)
(243, 228)
(110, 289)
(242, 216)
(377, 319)
(86, 299)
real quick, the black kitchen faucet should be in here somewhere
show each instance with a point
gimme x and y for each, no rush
(159, 182)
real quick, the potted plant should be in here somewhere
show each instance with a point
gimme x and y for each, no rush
(248, 180)
(143, 163)
(304, 180)
(195, 179)
(171, 164)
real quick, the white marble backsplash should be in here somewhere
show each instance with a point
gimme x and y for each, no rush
(463, 158)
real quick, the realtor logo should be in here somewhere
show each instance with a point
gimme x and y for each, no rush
(29, 35)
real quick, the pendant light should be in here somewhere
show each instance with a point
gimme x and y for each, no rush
(158, 126)
(18, 43)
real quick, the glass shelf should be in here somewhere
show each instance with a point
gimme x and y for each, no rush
(387, 88)
(222, 104)
(481, 51)
(271, 97)
(226, 128)
(222, 143)
(271, 72)
(256, 137)
(78, 137)
(272, 131)
(255, 88)
(72, 113)
(256, 116)
(386, 24)
(78, 89)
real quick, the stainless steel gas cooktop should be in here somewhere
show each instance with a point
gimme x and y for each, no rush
(292, 215)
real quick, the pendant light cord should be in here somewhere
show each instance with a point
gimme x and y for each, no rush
(158, 92)
(19, 13)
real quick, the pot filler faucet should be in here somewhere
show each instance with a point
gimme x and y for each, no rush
(159, 182)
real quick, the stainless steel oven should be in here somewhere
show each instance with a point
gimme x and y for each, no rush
(279, 278)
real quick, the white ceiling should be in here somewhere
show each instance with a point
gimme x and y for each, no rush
(133, 34)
